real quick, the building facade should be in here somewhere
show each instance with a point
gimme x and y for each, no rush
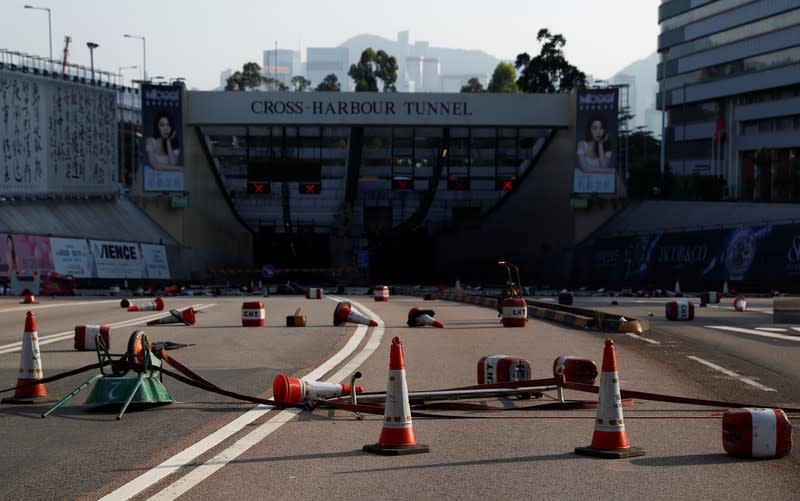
(729, 78)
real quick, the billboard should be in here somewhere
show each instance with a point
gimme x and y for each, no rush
(596, 126)
(81, 258)
(162, 123)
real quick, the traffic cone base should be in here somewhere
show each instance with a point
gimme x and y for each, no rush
(629, 452)
(396, 450)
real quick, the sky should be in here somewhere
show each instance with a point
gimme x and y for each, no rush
(197, 39)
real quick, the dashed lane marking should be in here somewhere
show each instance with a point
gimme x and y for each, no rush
(731, 374)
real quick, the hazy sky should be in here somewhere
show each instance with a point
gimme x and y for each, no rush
(196, 39)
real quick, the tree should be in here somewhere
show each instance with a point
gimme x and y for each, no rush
(549, 72)
(371, 67)
(250, 78)
(301, 83)
(503, 79)
(329, 84)
(273, 84)
(473, 85)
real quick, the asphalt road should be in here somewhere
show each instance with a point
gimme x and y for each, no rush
(208, 446)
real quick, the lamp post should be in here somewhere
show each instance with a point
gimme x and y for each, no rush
(662, 159)
(92, 46)
(144, 54)
(49, 26)
(119, 72)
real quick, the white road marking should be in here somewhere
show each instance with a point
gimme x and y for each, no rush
(202, 472)
(40, 306)
(771, 329)
(642, 338)
(62, 336)
(796, 328)
(742, 330)
(731, 374)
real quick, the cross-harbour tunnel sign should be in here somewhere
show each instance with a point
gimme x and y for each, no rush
(211, 108)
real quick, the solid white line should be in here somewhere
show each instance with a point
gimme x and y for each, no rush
(771, 329)
(40, 306)
(796, 328)
(731, 373)
(204, 471)
(642, 338)
(755, 332)
(186, 456)
(61, 336)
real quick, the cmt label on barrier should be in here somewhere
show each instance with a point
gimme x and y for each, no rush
(256, 314)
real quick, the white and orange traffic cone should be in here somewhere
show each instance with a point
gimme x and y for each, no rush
(725, 291)
(678, 292)
(610, 441)
(28, 298)
(29, 386)
(418, 316)
(344, 313)
(397, 435)
(740, 303)
(186, 316)
(156, 304)
(289, 390)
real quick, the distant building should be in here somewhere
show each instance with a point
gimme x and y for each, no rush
(323, 61)
(282, 65)
(730, 81)
(223, 78)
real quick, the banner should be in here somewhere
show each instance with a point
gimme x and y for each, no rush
(115, 259)
(155, 258)
(24, 253)
(596, 129)
(163, 138)
(71, 257)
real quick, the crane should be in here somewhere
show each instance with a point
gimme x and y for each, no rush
(67, 40)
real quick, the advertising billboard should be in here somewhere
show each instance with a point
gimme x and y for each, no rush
(596, 152)
(162, 123)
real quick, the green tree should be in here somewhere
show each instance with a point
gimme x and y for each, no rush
(250, 78)
(300, 83)
(329, 84)
(503, 79)
(370, 68)
(473, 85)
(549, 72)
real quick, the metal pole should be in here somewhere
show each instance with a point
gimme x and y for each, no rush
(662, 160)
(50, 32)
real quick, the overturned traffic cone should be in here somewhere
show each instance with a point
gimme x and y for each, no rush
(28, 298)
(124, 303)
(397, 436)
(417, 317)
(740, 303)
(289, 390)
(344, 313)
(29, 385)
(186, 316)
(610, 441)
(156, 304)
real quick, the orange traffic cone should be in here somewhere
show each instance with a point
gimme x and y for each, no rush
(30, 367)
(397, 436)
(610, 441)
(28, 298)
(417, 316)
(344, 313)
(289, 390)
(678, 292)
(186, 316)
(156, 304)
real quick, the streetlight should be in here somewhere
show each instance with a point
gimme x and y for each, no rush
(119, 71)
(92, 46)
(49, 26)
(662, 159)
(144, 54)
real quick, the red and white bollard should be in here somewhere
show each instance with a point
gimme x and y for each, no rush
(515, 312)
(381, 293)
(253, 314)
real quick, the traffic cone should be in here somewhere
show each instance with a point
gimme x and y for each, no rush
(610, 441)
(28, 298)
(30, 367)
(417, 316)
(124, 303)
(289, 390)
(186, 316)
(740, 303)
(156, 304)
(344, 313)
(397, 436)
(678, 292)
(725, 291)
